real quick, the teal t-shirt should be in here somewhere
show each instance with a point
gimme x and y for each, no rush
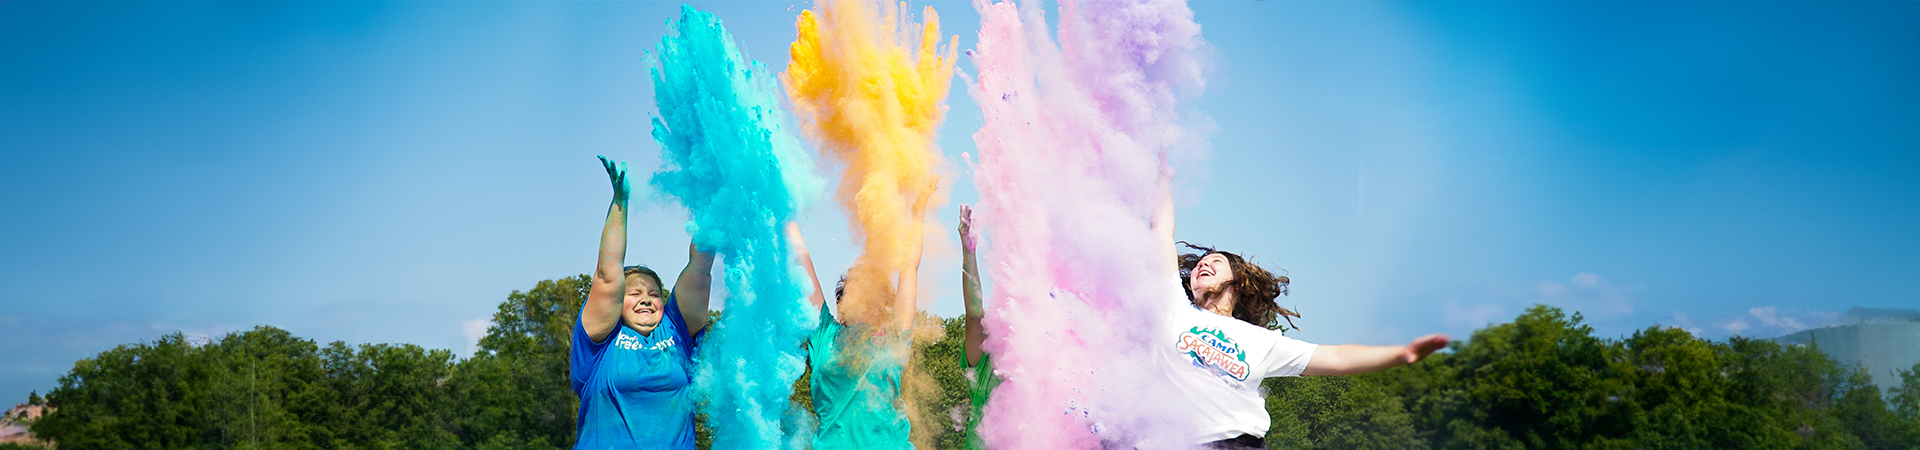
(635, 390)
(980, 384)
(857, 399)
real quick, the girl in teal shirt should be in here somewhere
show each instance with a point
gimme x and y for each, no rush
(857, 364)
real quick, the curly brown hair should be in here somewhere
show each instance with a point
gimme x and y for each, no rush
(1256, 290)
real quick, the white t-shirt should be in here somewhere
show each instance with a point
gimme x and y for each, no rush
(1216, 363)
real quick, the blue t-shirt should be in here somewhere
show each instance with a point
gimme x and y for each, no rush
(635, 390)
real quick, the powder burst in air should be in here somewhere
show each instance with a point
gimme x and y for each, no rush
(730, 159)
(869, 87)
(1073, 161)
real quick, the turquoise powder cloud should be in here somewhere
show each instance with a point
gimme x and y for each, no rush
(729, 158)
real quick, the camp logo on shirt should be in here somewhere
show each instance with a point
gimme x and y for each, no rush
(1211, 349)
(633, 343)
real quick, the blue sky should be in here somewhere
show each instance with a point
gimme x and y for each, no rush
(389, 172)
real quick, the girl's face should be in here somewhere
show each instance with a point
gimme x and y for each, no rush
(1210, 277)
(641, 307)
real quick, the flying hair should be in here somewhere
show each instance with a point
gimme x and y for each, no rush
(1255, 289)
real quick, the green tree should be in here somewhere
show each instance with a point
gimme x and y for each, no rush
(1865, 414)
(259, 388)
(946, 408)
(389, 396)
(1678, 391)
(265, 387)
(1906, 403)
(1349, 412)
(1794, 387)
(1906, 396)
(1543, 381)
(515, 392)
(132, 396)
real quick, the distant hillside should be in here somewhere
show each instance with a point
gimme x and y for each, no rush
(1882, 341)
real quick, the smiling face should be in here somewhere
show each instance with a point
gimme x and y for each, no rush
(641, 308)
(1209, 278)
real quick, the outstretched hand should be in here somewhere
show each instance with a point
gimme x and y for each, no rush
(966, 227)
(926, 193)
(617, 173)
(1424, 346)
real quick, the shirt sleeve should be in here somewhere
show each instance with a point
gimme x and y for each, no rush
(672, 313)
(966, 364)
(820, 344)
(1287, 357)
(977, 374)
(584, 354)
(1176, 292)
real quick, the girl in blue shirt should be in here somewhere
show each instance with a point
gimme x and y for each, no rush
(631, 359)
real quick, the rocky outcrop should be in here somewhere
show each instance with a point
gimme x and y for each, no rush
(13, 424)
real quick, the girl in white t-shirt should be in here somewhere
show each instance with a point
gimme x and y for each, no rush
(1224, 337)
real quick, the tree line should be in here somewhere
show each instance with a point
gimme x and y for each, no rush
(1543, 381)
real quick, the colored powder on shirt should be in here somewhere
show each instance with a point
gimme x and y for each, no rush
(1075, 145)
(870, 87)
(980, 384)
(731, 161)
(856, 392)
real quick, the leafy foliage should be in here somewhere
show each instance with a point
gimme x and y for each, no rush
(1337, 413)
(1542, 381)
(946, 409)
(255, 389)
(514, 392)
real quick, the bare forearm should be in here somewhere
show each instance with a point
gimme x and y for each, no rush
(907, 291)
(1355, 359)
(970, 285)
(613, 245)
(976, 336)
(601, 312)
(805, 259)
(692, 291)
(904, 302)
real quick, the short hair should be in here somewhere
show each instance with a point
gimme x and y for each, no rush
(643, 270)
(1255, 290)
(840, 290)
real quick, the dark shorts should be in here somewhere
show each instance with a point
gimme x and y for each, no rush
(1244, 442)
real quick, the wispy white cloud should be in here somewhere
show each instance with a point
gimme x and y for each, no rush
(473, 330)
(1471, 316)
(1773, 321)
(1793, 321)
(1736, 326)
(1587, 293)
(1685, 323)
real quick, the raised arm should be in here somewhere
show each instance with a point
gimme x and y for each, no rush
(601, 312)
(1359, 359)
(970, 288)
(904, 304)
(692, 289)
(805, 259)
